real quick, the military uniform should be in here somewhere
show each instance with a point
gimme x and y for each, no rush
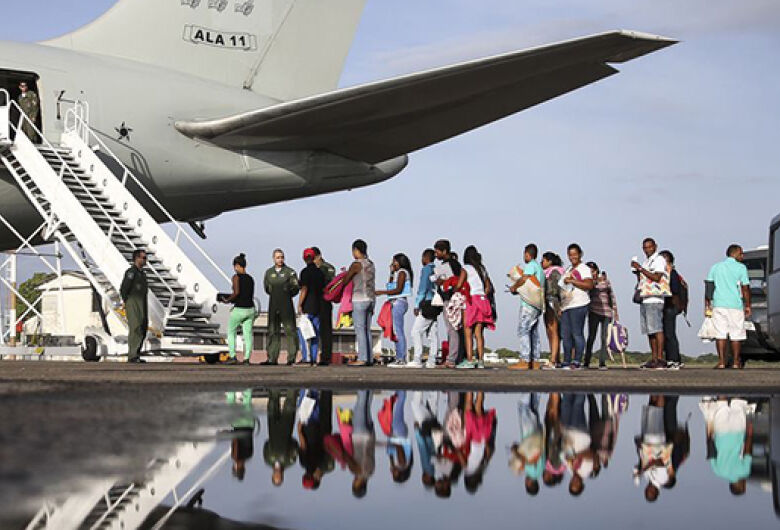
(326, 317)
(134, 291)
(30, 105)
(281, 287)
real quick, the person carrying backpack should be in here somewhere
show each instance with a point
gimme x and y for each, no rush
(673, 306)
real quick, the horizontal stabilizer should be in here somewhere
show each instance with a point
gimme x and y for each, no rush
(385, 119)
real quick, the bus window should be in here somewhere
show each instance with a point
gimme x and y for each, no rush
(775, 250)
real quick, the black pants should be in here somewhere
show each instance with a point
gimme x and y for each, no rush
(671, 344)
(326, 332)
(594, 321)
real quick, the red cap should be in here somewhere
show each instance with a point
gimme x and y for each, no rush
(308, 482)
(309, 254)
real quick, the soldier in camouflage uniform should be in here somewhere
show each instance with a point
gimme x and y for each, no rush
(281, 285)
(326, 310)
(28, 101)
(134, 292)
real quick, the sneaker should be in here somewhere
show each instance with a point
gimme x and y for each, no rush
(397, 364)
(661, 365)
(575, 366)
(414, 364)
(522, 364)
(564, 366)
(646, 365)
(430, 365)
(481, 365)
(465, 364)
(549, 366)
(672, 366)
(603, 367)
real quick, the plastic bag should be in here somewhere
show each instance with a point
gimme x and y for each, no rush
(306, 328)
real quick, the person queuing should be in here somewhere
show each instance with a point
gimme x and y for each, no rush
(553, 272)
(575, 300)
(673, 306)
(310, 303)
(730, 440)
(326, 310)
(448, 268)
(426, 315)
(727, 299)
(602, 310)
(530, 309)
(479, 314)
(362, 274)
(281, 285)
(652, 288)
(243, 313)
(134, 292)
(399, 288)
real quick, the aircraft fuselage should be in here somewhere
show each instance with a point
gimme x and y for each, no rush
(193, 179)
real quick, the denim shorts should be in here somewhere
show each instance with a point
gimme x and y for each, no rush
(651, 318)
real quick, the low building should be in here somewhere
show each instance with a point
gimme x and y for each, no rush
(78, 309)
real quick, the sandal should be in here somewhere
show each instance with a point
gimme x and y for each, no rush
(719, 367)
(357, 363)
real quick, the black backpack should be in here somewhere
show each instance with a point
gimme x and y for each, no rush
(680, 300)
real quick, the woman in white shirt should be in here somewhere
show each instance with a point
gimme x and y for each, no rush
(575, 300)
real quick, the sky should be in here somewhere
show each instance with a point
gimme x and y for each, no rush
(680, 146)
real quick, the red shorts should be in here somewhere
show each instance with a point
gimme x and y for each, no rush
(478, 311)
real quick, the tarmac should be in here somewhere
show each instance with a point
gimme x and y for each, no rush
(23, 377)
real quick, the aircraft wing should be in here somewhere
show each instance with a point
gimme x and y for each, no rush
(381, 120)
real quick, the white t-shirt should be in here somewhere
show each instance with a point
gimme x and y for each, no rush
(655, 263)
(574, 297)
(475, 282)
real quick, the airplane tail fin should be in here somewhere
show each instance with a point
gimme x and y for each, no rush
(286, 49)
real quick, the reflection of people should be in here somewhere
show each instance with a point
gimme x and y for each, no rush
(603, 428)
(729, 440)
(134, 290)
(654, 450)
(480, 439)
(242, 443)
(554, 467)
(280, 450)
(576, 442)
(678, 436)
(363, 444)
(312, 431)
(424, 407)
(399, 446)
(281, 285)
(30, 105)
(243, 313)
(527, 454)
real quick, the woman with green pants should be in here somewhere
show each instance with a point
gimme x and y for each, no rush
(243, 313)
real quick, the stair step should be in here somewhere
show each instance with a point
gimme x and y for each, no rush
(182, 323)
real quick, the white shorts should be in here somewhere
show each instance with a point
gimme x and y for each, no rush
(729, 323)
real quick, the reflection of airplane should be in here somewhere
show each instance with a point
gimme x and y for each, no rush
(236, 108)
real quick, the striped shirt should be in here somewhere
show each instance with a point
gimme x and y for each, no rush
(602, 299)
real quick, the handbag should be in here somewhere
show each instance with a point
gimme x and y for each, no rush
(617, 340)
(437, 300)
(707, 332)
(306, 328)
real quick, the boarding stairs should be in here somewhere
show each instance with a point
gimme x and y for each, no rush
(80, 189)
(121, 503)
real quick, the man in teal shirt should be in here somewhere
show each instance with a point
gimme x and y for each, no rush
(727, 300)
(528, 326)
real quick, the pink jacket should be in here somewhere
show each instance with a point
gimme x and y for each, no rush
(346, 301)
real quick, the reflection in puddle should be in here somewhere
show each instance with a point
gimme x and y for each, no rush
(306, 458)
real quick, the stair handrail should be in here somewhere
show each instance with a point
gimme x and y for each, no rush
(17, 129)
(90, 134)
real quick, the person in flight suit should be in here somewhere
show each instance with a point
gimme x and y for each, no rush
(30, 105)
(281, 285)
(326, 310)
(134, 291)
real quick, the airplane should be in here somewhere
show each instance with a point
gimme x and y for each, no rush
(218, 106)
